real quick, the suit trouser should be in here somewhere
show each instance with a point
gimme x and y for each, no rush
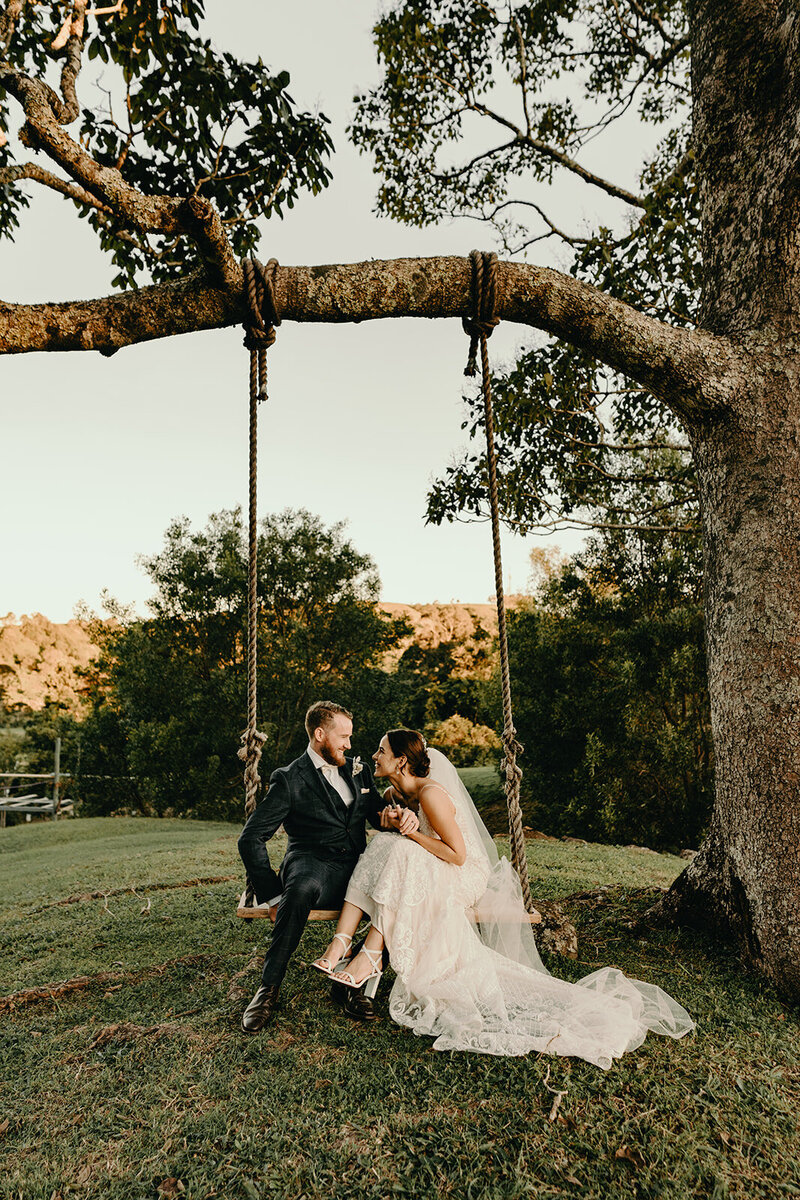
(308, 882)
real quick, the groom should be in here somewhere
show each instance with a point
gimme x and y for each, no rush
(323, 800)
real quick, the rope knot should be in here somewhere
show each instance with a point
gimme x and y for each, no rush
(485, 316)
(262, 315)
(250, 753)
(257, 338)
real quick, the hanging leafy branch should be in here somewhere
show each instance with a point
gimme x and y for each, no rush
(460, 73)
(177, 149)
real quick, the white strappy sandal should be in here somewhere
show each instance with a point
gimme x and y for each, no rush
(324, 964)
(375, 959)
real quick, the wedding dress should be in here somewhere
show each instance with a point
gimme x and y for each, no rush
(481, 986)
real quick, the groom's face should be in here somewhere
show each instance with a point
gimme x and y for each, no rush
(334, 740)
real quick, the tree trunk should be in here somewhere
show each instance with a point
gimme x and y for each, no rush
(746, 879)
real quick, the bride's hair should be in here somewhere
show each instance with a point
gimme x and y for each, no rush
(412, 744)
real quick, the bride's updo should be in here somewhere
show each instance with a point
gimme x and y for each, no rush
(411, 744)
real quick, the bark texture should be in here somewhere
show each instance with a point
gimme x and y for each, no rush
(690, 369)
(746, 879)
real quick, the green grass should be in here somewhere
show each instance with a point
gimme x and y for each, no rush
(113, 1089)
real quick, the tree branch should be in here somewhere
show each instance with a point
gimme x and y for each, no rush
(523, 72)
(71, 109)
(8, 23)
(33, 171)
(104, 186)
(42, 130)
(572, 240)
(654, 20)
(457, 172)
(204, 226)
(691, 371)
(556, 155)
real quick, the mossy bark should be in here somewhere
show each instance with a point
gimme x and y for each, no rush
(746, 880)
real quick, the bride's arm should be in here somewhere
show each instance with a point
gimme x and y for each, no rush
(438, 808)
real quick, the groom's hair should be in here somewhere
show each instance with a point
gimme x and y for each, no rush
(322, 712)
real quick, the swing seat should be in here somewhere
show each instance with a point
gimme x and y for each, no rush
(251, 911)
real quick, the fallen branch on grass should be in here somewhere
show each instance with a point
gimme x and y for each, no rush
(53, 991)
(81, 897)
(556, 933)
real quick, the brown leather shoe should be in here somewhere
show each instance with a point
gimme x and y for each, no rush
(354, 1002)
(260, 1010)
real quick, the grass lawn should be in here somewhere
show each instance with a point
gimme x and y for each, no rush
(140, 1084)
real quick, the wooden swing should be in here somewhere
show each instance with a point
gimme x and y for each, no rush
(260, 325)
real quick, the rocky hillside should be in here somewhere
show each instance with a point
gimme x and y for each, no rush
(39, 660)
(469, 625)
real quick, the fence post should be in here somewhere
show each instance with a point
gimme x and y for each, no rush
(57, 779)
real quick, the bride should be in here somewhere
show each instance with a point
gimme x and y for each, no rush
(450, 914)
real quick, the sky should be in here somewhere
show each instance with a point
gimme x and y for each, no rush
(99, 455)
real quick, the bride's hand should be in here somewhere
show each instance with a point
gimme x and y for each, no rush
(408, 821)
(404, 820)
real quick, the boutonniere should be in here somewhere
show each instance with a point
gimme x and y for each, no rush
(358, 766)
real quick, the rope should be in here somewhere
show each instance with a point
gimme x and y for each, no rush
(259, 326)
(480, 326)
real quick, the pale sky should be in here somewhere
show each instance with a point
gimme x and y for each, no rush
(100, 454)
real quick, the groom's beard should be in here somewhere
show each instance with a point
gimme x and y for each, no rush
(330, 755)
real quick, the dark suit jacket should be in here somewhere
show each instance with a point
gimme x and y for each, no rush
(316, 821)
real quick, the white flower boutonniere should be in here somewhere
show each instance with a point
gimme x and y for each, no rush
(358, 766)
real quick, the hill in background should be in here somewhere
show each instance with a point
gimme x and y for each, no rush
(40, 660)
(466, 626)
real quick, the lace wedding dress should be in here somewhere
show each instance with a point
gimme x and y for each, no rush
(482, 986)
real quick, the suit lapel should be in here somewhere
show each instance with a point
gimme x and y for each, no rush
(317, 784)
(347, 772)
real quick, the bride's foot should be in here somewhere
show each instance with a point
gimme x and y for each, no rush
(335, 954)
(367, 964)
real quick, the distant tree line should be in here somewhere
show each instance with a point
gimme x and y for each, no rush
(607, 661)
(166, 697)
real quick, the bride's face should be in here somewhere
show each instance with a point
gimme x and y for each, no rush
(385, 761)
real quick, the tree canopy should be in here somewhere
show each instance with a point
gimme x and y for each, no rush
(479, 107)
(168, 692)
(213, 142)
(611, 698)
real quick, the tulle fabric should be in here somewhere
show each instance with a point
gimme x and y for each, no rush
(481, 985)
